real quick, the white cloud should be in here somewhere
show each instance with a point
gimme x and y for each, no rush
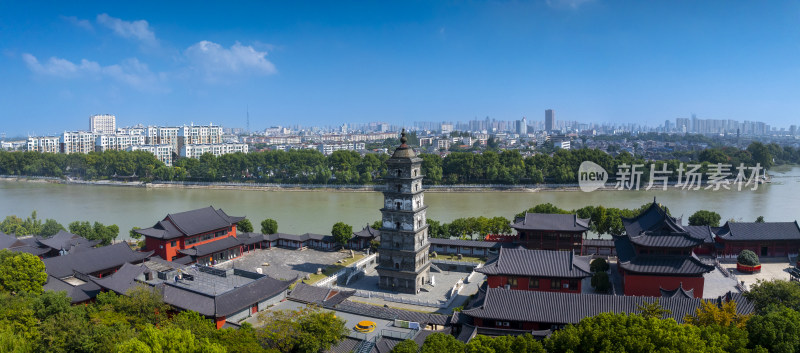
(567, 4)
(213, 59)
(85, 24)
(131, 72)
(137, 30)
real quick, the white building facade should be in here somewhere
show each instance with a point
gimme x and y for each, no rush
(103, 124)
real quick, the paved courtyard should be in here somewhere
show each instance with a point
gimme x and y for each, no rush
(769, 271)
(444, 283)
(285, 264)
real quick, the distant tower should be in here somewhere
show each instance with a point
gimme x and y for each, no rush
(403, 263)
(549, 120)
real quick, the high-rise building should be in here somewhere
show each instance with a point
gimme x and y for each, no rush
(793, 130)
(549, 120)
(103, 124)
(522, 128)
(403, 263)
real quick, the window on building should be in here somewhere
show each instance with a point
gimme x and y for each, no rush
(512, 281)
(172, 244)
(573, 284)
(555, 284)
(533, 283)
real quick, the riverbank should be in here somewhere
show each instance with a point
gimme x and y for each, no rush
(293, 187)
(534, 188)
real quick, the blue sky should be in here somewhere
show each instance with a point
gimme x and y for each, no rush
(325, 63)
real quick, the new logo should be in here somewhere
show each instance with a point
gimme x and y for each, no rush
(591, 176)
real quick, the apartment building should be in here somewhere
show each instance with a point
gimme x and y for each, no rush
(162, 152)
(44, 144)
(218, 149)
(103, 124)
(77, 142)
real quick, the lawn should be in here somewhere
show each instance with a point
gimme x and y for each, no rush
(331, 269)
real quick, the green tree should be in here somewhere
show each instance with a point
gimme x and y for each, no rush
(653, 309)
(600, 282)
(442, 343)
(133, 234)
(761, 154)
(407, 346)
(778, 330)
(709, 313)
(50, 228)
(269, 226)
(599, 265)
(609, 332)
(764, 294)
(504, 344)
(705, 218)
(21, 272)
(244, 226)
(306, 330)
(342, 233)
(172, 340)
(760, 219)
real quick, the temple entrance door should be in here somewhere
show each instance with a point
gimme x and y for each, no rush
(764, 251)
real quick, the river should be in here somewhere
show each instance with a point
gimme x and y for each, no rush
(316, 211)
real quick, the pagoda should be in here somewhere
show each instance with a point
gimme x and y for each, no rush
(403, 264)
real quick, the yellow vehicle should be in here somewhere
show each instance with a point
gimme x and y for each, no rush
(365, 326)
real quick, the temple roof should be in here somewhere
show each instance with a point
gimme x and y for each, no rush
(212, 247)
(733, 231)
(538, 263)
(368, 232)
(568, 308)
(656, 229)
(657, 264)
(466, 243)
(93, 260)
(190, 223)
(679, 292)
(550, 221)
(64, 240)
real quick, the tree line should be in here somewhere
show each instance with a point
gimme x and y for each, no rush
(349, 167)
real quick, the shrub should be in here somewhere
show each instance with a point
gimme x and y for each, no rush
(599, 265)
(748, 258)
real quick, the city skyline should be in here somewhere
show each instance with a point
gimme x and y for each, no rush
(327, 64)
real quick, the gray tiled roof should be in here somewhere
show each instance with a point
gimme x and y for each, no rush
(598, 242)
(679, 292)
(566, 308)
(391, 313)
(538, 263)
(226, 303)
(346, 345)
(322, 237)
(465, 243)
(93, 260)
(64, 240)
(212, 247)
(122, 280)
(664, 264)
(467, 333)
(654, 218)
(549, 221)
(293, 237)
(189, 223)
(744, 231)
(665, 240)
(27, 245)
(367, 232)
(326, 297)
(77, 294)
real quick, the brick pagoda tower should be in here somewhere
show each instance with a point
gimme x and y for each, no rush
(403, 263)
